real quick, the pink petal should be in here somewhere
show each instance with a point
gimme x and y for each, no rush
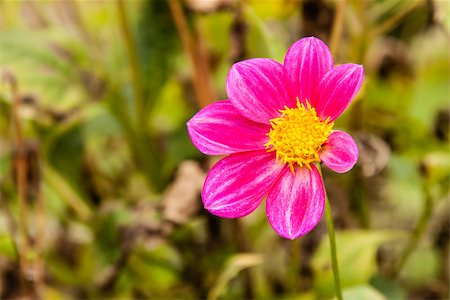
(295, 203)
(338, 87)
(236, 185)
(340, 152)
(220, 129)
(306, 63)
(257, 89)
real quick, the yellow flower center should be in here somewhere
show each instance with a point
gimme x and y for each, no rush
(297, 135)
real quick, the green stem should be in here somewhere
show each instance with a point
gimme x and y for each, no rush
(21, 168)
(332, 238)
(338, 23)
(334, 261)
(391, 22)
(134, 64)
(295, 266)
(144, 151)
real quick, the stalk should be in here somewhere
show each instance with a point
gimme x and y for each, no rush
(144, 151)
(295, 266)
(134, 65)
(21, 168)
(332, 238)
(334, 261)
(338, 23)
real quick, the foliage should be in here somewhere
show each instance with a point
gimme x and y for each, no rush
(110, 206)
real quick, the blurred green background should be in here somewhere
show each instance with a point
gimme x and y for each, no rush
(100, 184)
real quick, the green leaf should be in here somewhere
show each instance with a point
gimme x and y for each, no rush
(157, 42)
(64, 152)
(100, 122)
(233, 266)
(7, 246)
(273, 10)
(5, 166)
(161, 263)
(106, 229)
(356, 252)
(57, 185)
(437, 166)
(422, 267)
(389, 288)
(365, 292)
(51, 293)
(170, 110)
(215, 27)
(260, 42)
(404, 191)
(25, 52)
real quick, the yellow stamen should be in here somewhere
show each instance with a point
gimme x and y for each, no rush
(297, 135)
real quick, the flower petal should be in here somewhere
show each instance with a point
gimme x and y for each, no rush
(295, 203)
(220, 129)
(340, 152)
(306, 63)
(338, 87)
(257, 89)
(236, 185)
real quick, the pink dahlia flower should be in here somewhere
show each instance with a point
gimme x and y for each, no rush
(276, 126)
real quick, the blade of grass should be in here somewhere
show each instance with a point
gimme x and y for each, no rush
(20, 166)
(134, 65)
